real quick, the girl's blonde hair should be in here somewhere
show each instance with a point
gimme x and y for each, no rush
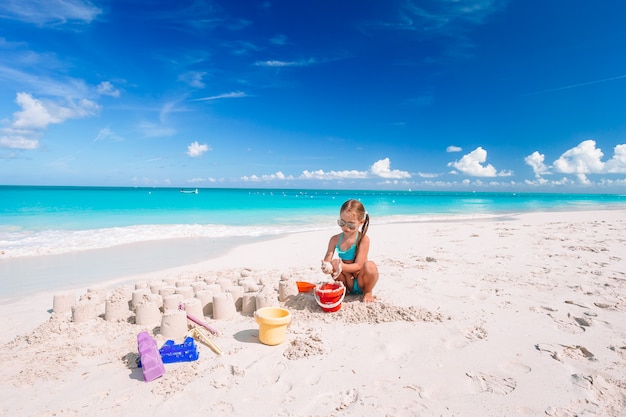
(356, 207)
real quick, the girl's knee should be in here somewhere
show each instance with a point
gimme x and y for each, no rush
(370, 268)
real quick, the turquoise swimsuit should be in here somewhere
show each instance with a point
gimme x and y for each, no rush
(349, 255)
(355, 287)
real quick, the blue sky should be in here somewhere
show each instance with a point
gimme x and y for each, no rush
(517, 95)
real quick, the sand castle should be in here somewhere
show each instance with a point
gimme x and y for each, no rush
(167, 305)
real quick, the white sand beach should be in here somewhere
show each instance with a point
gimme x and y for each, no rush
(523, 315)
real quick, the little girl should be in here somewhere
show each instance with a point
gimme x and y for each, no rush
(352, 245)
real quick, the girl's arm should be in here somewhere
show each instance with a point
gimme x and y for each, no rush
(330, 251)
(328, 267)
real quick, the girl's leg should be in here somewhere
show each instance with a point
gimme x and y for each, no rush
(367, 278)
(345, 279)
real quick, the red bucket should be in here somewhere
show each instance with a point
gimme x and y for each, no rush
(329, 295)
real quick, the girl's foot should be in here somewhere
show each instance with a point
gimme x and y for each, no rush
(368, 297)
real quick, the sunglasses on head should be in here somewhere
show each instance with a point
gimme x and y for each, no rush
(350, 225)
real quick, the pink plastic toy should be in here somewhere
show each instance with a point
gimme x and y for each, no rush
(198, 321)
(151, 362)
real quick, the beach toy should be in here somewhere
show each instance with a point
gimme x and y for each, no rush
(199, 322)
(149, 357)
(273, 322)
(329, 295)
(184, 352)
(201, 334)
(305, 286)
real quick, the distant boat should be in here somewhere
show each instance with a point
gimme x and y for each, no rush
(182, 190)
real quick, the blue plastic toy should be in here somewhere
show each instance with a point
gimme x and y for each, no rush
(184, 352)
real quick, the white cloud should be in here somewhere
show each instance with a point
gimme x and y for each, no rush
(382, 169)
(446, 16)
(108, 135)
(193, 78)
(18, 142)
(453, 148)
(582, 159)
(617, 164)
(543, 181)
(586, 158)
(279, 40)
(49, 11)
(582, 178)
(427, 175)
(608, 182)
(38, 114)
(234, 94)
(240, 47)
(333, 175)
(152, 130)
(43, 85)
(567, 87)
(450, 18)
(168, 108)
(196, 149)
(105, 88)
(279, 64)
(471, 164)
(535, 161)
(255, 178)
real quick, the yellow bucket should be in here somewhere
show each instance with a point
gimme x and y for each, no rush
(273, 322)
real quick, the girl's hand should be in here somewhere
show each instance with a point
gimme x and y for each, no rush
(336, 267)
(327, 267)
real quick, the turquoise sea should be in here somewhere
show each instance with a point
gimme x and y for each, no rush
(40, 220)
(62, 223)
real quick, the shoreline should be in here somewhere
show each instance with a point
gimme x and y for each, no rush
(524, 316)
(45, 273)
(21, 244)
